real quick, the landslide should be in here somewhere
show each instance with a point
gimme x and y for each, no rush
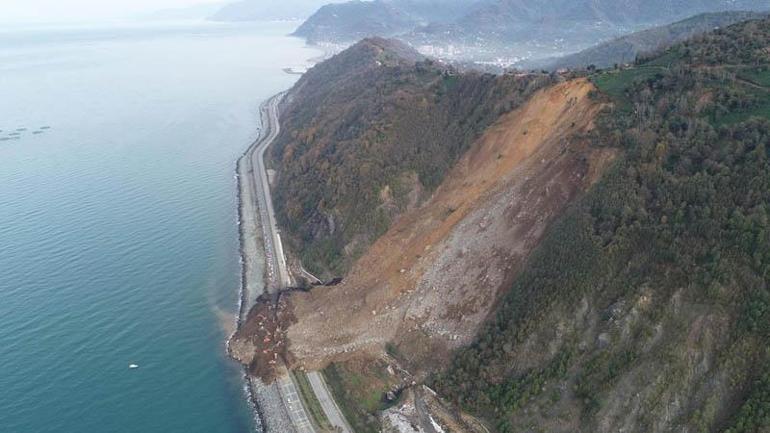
(369, 134)
(426, 286)
(647, 306)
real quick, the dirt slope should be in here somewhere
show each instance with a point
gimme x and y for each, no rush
(432, 279)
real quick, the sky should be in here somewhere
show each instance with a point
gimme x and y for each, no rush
(84, 10)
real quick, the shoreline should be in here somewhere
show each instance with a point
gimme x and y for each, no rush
(270, 414)
(258, 415)
(266, 401)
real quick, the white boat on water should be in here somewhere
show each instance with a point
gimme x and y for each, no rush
(133, 366)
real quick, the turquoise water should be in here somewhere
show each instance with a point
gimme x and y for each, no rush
(118, 242)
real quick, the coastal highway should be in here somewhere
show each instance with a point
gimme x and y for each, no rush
(329, 406)
(278, 273)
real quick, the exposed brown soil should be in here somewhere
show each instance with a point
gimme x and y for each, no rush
(429, 283)
(261, 342)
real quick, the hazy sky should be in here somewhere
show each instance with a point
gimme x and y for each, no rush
(83, 10)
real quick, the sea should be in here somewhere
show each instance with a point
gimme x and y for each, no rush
(118, 234)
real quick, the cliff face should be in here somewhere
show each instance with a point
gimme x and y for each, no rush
(370, 134)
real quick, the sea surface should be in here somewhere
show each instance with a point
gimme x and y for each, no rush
(118, 237)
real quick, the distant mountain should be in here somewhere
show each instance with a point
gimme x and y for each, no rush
(435, 11)
(576, 23)
(356, 20)
(506, 12)
(253, 10)
(505, 20)
(627, 48)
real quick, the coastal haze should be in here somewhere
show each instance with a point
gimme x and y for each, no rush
(15, 11)
(117, 214)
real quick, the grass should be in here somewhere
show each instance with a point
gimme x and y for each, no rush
(310, 401)
(349, 407)
(358, 391)
(762, 108)
(759, 76)
(616, 83)
(665, 60)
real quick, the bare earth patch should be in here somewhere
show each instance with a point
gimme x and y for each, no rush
(429, 283)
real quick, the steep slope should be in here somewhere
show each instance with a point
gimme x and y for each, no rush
(433, 278)
(594, 261)
(625, 49)
(427, 285)
(369, 134)
(646, 308)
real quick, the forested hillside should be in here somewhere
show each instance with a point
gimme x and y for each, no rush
(626, 49)
(352, 21)
(646, 308)
(370, 133)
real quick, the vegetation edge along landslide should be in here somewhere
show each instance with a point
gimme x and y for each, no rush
(370, 134)
(650, 296)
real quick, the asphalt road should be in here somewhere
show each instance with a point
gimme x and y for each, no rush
(273, 242)
(333, 413)
(278, 273)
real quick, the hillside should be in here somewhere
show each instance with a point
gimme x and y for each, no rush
(509, 33)
(582, 21)
(666, 309)
(497, 13)
(501, 21)
(351, 21)
(592, 256)
(625, 49)
(355, 20)
(369, 134)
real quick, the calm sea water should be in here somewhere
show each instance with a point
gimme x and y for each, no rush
(118, 242)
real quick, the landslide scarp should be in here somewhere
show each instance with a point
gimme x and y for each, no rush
(646, 307)
(370, 134)
(431, 280)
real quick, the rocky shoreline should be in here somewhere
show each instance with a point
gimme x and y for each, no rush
(269, 412)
